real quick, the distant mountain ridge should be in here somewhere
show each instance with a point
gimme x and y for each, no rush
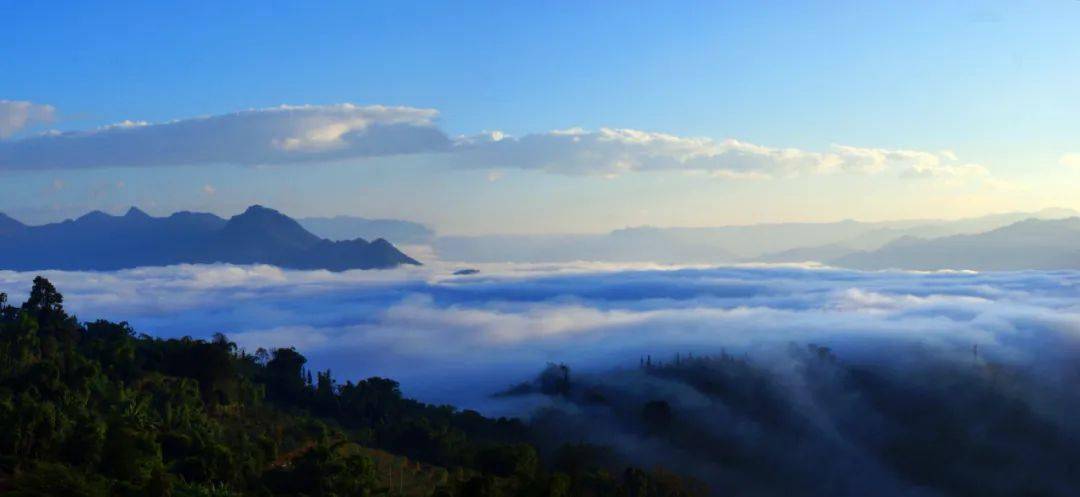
(352, 227)
(1044, 239)
(103, 242)
(1045, 244)
(768, 242)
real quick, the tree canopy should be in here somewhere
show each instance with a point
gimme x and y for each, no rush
(95, 409)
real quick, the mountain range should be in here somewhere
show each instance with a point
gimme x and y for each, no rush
(102, 242)
(1047, 239)
(829, 242)
(1046, 244)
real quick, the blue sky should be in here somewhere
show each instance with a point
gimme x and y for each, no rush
(993, 83)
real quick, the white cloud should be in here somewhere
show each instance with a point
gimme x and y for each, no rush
(286, 134)
(614, 151)
(484, 332)
(305, 134)
(16, 115)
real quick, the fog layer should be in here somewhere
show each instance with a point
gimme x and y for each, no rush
(443, 336)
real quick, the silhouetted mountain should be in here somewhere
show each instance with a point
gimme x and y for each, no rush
(350, 227)
(99, 241)
(260, 234)
(9, 225)
(1028, 244)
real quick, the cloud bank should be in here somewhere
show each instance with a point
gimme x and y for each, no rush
(309, 134)
(431, 329)
(948, 383)
(616, 151)
(280, 135)
(16, 115)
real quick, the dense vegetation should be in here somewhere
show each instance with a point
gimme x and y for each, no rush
(92, 409)
(89, 409)
(803, 422)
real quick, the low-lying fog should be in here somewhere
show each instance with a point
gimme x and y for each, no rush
(928, 384)
(459, 338)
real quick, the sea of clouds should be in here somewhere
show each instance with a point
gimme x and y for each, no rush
(459, 339)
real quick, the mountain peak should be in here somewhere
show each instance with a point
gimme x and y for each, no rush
(260, 214)
(258, 210)
(9, 224)
(260, 224)
(265, 216)
(93, 216)
(135, 212)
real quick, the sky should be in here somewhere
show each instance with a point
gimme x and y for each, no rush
(504, 117)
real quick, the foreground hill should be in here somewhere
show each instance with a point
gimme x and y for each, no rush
(1028, 244)
(98, 241)
(92, 410)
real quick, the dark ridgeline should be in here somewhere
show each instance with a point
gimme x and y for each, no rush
(9, 225)
(101, 242)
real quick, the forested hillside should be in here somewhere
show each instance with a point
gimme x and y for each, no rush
(93, 409)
